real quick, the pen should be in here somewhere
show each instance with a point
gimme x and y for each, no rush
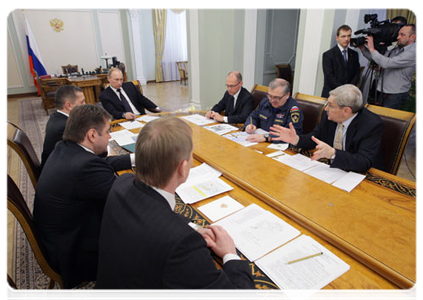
(303, 258)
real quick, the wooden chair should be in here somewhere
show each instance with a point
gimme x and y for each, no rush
(312, 108)
(17, 205)
(284, 71)
(69, 69)
(259, 92)
(19, 142)
(398, 126)
(11, 291)
(47, 91)
(183, 70)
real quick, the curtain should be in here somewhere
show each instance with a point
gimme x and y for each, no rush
(175, 48)
(408, 14)
(159, 25)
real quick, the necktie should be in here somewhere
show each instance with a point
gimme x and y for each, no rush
(339, 135)
(124, 102)
(344, 52)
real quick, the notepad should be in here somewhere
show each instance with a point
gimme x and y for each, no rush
(220, 208)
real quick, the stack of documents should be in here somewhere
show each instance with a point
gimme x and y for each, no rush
(221, 129)
(203, 182)
(339, 178)
(131, 125)
(290, 268)
(198, 119)
(124, 137)
(145, 118)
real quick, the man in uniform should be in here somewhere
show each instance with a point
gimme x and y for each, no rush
(237, 102)
(278, 108)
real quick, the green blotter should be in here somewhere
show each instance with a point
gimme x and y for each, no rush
(130, 147)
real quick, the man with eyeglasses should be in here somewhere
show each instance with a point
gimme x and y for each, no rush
(237, 102)
(278, 108)
(348, 134)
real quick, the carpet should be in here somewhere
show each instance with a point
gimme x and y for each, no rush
(28, 274)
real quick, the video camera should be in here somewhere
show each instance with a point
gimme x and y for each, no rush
(384, 33)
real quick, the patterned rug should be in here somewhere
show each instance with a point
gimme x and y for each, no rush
(28, 274)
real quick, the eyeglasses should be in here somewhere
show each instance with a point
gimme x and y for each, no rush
(329, 105)
(229, 86)
(277, 98)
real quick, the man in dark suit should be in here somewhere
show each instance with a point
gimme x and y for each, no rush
(348, 133)
(237, 102)
(143, 243)
(72, 191)
(340, 64)
(67, 97)
(123, 100)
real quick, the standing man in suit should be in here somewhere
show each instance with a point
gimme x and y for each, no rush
(72, 191)
(340, 64)
(144, 244)
(237, 102)
(123, 100)
(348, 133)
(67, 97)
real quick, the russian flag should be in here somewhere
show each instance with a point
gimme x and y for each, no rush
(35, 61)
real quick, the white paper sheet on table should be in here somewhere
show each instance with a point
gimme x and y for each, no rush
(312, 274)
(221, 129)
(147, 119)
(124, 137)
(279, 146)
(325, 173)
(240, 138)
(349, 181)
(202, 190)
(131, 124)
(298, 161)
(198, 119)
(256, 231)
(220, 208)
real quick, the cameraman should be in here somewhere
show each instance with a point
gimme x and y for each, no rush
(398, 66)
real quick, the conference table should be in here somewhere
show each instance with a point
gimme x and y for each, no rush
(372, 228)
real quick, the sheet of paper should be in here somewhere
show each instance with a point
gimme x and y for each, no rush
(240, 138)
(220, 208)
(276, 153)
(260, 131)
(124, 137)
(203, 190)
(221, 129)
(279, 146)
(313, 273)
(199, 119)
(198, 174)
(297, 161)
(256, 231)
(131, 124)
(325, 173)
(145, 118)
(349, 181)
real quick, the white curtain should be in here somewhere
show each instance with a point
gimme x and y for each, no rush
(175, 48)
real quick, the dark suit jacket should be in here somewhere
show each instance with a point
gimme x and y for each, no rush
(68, 208)
(363, 140)
(335, 71)
(145, 245)
(244, 106)
(54, 131)
(114, 106)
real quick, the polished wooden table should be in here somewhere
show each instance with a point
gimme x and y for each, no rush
(373, 228)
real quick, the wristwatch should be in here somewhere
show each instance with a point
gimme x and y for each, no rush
(123, 115)
(266, 136)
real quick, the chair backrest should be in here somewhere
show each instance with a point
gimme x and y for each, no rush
(69, 69)
(284, 71)
(398, 126)
(11, 292)
(312, 108)
(259, 92)
(20, 143)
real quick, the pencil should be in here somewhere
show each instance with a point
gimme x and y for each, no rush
(304, 258)
(251, 121)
